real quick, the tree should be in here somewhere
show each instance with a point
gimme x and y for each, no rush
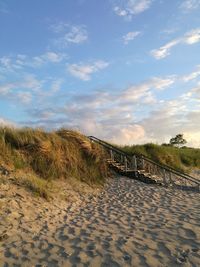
(178, 140)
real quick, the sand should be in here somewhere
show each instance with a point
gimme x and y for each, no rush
(127, 224)
(195, 173)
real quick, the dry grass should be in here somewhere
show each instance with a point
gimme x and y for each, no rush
(33, 183)
(51, 155)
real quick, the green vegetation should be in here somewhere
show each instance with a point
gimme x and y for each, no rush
(51, 155)
(178, 140)
(183, 159)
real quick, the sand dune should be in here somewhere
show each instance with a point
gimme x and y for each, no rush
(128, 224)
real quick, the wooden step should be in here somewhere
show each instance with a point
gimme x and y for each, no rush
(145, 173)
(155, 177)
(141, 171)
(110, 160)
(149, 175)
(130, 170)
(118, 164)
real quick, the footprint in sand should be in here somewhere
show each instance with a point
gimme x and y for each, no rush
(187, 233)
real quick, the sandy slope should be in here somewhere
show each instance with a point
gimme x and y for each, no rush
(128, 224)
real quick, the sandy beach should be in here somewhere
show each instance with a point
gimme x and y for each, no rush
(127, 224)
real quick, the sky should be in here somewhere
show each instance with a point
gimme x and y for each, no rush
(126, 71)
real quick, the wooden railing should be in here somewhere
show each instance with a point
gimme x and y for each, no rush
(141, 165)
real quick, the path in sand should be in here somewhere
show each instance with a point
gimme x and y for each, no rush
(128, 224)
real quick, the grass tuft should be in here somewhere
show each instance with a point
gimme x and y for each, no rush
(52, 155)
(38, 186)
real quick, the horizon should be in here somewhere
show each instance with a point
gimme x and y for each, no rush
(127, 71)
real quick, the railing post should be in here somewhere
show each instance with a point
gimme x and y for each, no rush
(149, 168)
(111, 155)
(155, 170)
(143, 164)
(134, 163)
(125, 163)
(170, 178)
(164, 177)
(185, 182)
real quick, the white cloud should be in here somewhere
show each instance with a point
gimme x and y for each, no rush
(111, 116)
(129, 8)
(189, 5)
(128, 135)
(121, 12)
(162, 83)
(21, 91)
(5, 61)
(191, 76)
(173, 117)
(75, 34)
(135, 114)
(53, 57)
(143, 91)
(4, 122)
(84, 71)
(189, 38)
(193, 138)
(164, 51)
(8, 63)
(29, 82)
(192, 37)
(18, 62)
(5, 89)
(130, 36)
(48, 57)
(196, 91)
(138, 6)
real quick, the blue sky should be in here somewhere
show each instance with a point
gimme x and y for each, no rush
(127, 71)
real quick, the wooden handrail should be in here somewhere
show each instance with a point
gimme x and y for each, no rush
(140, 156)
(108, 145)
(172, 170)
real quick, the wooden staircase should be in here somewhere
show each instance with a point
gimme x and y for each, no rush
(141, 175)
(144, 169)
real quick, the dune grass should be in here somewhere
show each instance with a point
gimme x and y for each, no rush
(182, 159)
(51, 155)
(31, 182)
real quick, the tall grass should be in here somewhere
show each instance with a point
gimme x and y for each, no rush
(183, 159)
(52, 155)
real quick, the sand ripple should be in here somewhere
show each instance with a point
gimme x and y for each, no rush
(128, 224)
